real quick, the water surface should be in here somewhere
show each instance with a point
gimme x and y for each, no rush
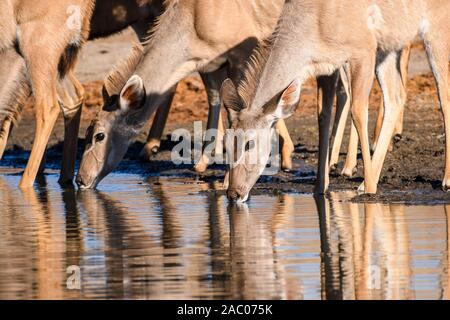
(164, 238)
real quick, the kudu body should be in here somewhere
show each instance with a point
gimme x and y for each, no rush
(212, 37)
(48, 35)
(316, 38)
(108, 18)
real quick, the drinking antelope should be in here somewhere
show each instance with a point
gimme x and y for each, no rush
(189, 37)
(316, 38)
(48, 35)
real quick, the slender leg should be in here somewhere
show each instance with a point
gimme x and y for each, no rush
(47, 111)
(362, 80)
(379, 123)
(287, 146)
(404, 63)
(72, 115)
(6, 129)
(398, 130)
(326, 91)
(342, 109)
(351, 161)
(42, 65)
(154, 137)
(390, 81)
(438, 51)
(213, 82)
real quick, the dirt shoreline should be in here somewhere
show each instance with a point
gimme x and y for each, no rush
(411, 174)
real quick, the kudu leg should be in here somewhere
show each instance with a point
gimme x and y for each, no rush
(6, 129)
(362, 74)
(351, 160)
(47, 111)
(287, 146)
(326, 92)
(213, 82)
(71, 109)
(159, 122)
(438, 51)
(397, 135)
(391, 83)
(43, 75)
(342, 109)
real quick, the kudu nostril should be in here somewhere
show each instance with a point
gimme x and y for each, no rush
(232, 195)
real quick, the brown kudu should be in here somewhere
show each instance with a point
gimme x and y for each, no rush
(213, 37)
(316, 38)
(108, 17)
(48, 36)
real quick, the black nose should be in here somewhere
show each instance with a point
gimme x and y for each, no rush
(232, 195)
(79, 181)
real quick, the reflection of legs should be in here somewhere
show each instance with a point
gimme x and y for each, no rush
(159, 122)
(329, 261)
(71, 108)
(213, 82)
(326, 90)
(362, 80)
(342, 109)
(446, 262)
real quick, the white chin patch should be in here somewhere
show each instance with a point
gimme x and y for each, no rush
(243, 199)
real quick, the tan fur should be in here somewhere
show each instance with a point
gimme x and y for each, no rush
(315, 38)
(44, 37)
(194, 35)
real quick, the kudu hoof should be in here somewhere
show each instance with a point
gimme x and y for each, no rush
(148, 152)
(333, 168)
(349, 172)
(397, 138)
(200, 167)
(445, 187)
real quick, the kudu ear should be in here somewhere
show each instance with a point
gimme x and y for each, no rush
(288, 101)
(132, 96)
(230, 98)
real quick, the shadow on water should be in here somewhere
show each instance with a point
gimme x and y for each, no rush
(163, 238)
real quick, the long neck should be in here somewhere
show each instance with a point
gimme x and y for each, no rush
(167, 58)
(289, 55)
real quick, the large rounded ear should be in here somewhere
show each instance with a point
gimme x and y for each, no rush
(231, 99)
(288, 101)
(132, 96)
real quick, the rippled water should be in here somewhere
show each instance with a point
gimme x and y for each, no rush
(164, 238)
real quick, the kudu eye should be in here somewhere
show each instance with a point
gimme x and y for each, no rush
(99, 137)
(249, 145)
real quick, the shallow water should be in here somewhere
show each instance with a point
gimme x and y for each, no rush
(163, 238)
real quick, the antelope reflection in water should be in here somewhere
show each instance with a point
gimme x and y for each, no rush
(165, 238)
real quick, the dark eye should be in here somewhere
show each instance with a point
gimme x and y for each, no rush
(249, 145)
(99, 137)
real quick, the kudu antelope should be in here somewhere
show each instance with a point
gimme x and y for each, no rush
(48, 36)
(316, 38)
(188, 37)
(108, 17)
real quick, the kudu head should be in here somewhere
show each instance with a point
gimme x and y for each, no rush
(249, 140)
(109, 136)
